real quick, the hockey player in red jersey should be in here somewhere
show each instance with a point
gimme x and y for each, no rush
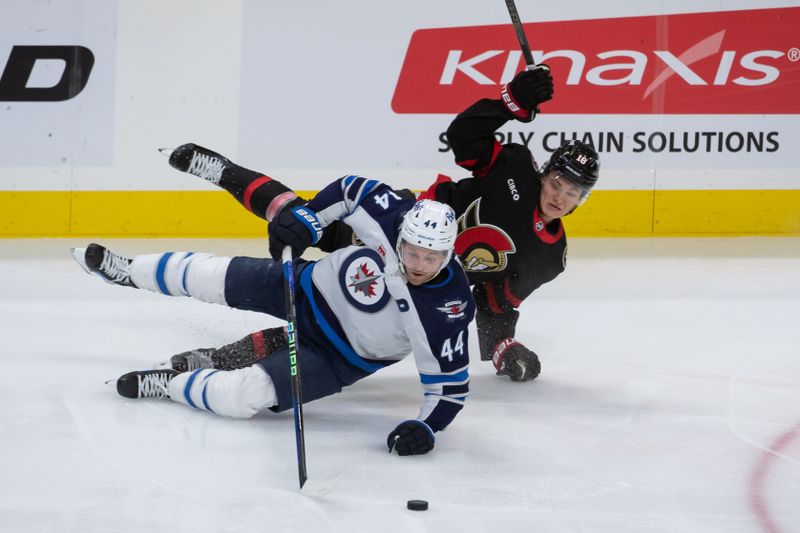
(511, 239)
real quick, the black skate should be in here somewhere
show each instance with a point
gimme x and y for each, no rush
(199, 161)
(99, 260)
(146, 384)
(192, 360)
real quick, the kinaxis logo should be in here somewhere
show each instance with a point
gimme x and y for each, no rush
(729, 62)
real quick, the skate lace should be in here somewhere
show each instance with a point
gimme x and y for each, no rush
(154, 385)
(115, 267)
(207, 167)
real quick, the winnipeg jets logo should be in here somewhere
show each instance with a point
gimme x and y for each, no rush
(364, 281)
(454, 309)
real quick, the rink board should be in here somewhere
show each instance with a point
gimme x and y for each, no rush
(217, 214)
(692, 106)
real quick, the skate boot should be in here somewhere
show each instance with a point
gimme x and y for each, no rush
(99, 260)
(192, 360)
(146, 383)
(199, 161)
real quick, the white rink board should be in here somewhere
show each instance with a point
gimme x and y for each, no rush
(303, 91)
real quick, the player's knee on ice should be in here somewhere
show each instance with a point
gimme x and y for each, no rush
(235, 393)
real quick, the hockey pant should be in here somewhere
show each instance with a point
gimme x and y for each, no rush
(254, 285)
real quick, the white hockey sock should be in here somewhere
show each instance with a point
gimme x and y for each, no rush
(198, 275)
(235, 393)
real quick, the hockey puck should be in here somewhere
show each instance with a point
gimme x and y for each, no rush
(417, 505)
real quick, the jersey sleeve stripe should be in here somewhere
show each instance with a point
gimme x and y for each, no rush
(456, 371)
(513, 300)
(491, 298)
(495, 151)
(458, 401)
(349, 190)
(450, 390)
(460, 397)
(367, 188)
(460, 377)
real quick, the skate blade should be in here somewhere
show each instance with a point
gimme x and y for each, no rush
(166, 152)
(79, 254)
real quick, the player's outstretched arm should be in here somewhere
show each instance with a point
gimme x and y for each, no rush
(496, 321)
(471, 134)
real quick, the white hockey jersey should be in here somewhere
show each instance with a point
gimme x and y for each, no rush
(365, 308)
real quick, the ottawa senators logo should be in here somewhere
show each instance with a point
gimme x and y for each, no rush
(481, 247)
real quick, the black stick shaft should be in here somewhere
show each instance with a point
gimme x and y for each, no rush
(520, 31)
(294, 364)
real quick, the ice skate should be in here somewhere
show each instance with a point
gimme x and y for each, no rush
(192, 360)
(146, 383)
(199, 161)
(110, 267)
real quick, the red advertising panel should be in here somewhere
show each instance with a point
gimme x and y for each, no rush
(730, 62)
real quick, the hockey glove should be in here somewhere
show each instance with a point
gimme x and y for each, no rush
(526, 91)
(412, 437)
(512, 359)
(297, 227)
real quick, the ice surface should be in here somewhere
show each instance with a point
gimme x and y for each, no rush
(669, 401)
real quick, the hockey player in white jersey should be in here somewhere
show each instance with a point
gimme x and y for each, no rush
(359, 309)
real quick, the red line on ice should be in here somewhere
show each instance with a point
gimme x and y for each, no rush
(759, 477)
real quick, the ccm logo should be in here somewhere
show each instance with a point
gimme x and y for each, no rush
(78, 63)
(709, 63)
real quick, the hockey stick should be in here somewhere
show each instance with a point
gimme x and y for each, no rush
(294, 364)
(520, 31)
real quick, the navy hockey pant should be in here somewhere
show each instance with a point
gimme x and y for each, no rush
(257, 285)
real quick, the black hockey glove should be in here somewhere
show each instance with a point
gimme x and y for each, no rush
(412, 437)
(512, 359)
(526, 91)
(295, 226)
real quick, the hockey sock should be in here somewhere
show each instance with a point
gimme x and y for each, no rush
(233, 393)
(259, 194)
(200, 276)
